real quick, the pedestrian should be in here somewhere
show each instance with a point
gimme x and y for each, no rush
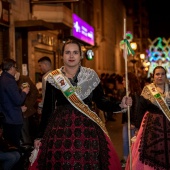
(151, 148)
(11, 101)
(28, 107)
(134, 91)
(75, 137)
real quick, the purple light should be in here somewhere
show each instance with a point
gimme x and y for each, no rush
(82, 30)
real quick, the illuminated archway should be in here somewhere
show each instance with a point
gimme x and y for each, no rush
(159, 54)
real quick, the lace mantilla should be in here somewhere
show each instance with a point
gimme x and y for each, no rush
(87, 82)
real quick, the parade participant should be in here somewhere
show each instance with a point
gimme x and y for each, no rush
(75, 137)
(151, 148)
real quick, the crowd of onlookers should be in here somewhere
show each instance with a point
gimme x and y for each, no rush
(115, 90)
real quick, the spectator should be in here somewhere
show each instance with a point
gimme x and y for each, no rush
(28, 107)
(46, 68)
(120, 89)
(11, 101)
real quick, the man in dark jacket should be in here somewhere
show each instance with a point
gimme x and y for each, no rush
(28, 107)
(11, 101)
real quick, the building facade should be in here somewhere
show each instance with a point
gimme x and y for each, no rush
(39, 27)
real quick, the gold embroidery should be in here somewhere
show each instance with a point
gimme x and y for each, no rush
(79, 104)
(157, 97)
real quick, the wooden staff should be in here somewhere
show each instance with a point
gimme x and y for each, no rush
(127, 94)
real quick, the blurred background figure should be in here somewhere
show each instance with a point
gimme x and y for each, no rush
(120, 89)
(11, 100)
(0, 70)
(45, 67)
(110, 93)
(9, 155)
(28, 107)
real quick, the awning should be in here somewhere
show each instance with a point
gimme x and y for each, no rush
(37, 25)
(52, 1)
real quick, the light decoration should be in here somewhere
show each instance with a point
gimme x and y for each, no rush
(159, 54)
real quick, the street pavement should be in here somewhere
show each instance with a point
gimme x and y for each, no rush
(115, 131)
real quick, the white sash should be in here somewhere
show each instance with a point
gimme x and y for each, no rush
(160, 100)
(68, 91)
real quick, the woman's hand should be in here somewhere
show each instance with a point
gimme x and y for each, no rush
(37, 143)
(126, 101)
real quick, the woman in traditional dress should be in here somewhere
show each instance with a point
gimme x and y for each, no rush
(151, 149)
(75, 137)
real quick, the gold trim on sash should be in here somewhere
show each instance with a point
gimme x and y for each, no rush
(160, 100)
(68, 90)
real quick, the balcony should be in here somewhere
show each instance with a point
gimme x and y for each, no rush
(59, 15)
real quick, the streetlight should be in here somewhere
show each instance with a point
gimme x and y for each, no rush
(142, 56)
(133, 61)
(133, 45)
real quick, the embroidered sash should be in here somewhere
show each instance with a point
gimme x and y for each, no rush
(68, 91)
(160, 100)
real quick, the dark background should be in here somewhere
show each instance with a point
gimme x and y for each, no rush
(159, 18)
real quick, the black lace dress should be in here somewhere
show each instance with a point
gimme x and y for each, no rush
(72, 141)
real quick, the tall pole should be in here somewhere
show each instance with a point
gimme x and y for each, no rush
(127, 94)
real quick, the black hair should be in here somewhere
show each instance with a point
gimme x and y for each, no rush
(45, 58)
(119, 78)
(71, 42)
(7, 63)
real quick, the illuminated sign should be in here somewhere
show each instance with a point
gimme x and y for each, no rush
(82, 30)
(90, 55)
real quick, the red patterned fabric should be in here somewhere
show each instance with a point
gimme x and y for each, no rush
(151, 149)
(73, 142)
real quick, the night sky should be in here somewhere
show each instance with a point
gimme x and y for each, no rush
(159, 18)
